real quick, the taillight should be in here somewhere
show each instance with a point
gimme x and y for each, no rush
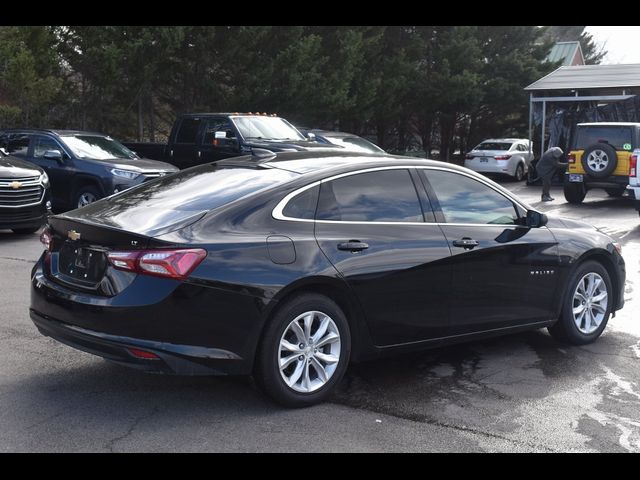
(177, 264)
(143, 354)
(468, 156)
(502, 157)
(633, 165)
(571, 158)
(46, 238)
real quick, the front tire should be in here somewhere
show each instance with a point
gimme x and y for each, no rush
(587, 305)
(86, 195)
(304, 351)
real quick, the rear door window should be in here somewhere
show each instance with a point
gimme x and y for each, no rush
(18, 145)
(188, 131)
(381, 196)
(618, 137)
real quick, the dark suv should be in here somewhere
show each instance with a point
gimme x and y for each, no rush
(82, 166)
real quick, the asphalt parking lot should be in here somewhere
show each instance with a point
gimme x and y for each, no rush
(519, 393)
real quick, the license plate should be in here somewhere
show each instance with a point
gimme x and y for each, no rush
(81, 263)
(484, 160)
(576, 178)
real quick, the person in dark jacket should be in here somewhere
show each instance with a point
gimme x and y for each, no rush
(546, 169)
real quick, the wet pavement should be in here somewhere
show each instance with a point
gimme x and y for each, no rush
(523, 392)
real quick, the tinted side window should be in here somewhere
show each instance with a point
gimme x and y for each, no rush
(188, 131)
(42, 144)
(465, 200)
(383, 196)
(617, 137)
(303, 205)
(217, 125)
(18, 145)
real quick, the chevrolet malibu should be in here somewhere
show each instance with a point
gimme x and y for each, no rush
(288, 267)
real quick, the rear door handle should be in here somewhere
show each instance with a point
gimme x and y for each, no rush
(353, 246)
(466, 243)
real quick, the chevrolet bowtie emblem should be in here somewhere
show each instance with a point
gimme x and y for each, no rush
(73, 235)
(15, 185)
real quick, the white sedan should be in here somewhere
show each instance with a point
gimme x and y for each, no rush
(507, 156)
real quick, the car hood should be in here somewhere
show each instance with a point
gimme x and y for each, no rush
(563, 222)
(12, 167)
(141, 165)
(292, 145)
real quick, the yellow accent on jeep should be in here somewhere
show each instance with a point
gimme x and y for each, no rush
(622, 169)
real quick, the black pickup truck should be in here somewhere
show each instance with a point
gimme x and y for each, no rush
(198, 138)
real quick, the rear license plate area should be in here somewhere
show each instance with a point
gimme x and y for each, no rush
(484, 160)
(84, 264)
(576, 178)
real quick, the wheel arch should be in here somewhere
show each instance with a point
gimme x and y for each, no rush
(81, 180)
(338, 291)
(603, 257)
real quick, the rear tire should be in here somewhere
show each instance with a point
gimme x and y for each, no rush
(574, 192)
(586, 307)
(519, 173)
(615, 192)
(296, 365)
(25, 231)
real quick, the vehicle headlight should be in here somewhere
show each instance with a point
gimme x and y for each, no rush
(44, 179)
(128, 174)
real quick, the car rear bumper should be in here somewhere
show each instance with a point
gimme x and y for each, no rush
(634, 193)
(492, 166)
(170, 358)
(193, 329)
(613, 181)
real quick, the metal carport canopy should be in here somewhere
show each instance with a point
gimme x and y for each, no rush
(577, 78)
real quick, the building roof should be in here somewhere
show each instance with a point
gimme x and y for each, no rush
(589, 76)
(565, 51)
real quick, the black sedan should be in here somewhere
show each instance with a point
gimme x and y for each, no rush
(291, 266)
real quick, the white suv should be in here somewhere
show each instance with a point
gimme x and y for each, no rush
(507, 156)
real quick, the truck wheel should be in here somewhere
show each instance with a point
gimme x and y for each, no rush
(85, 195)
(574, 192)
(615, 192)
(600, 160)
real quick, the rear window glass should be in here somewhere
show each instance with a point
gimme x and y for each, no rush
(494, 146)
(174, 198)
(617, 137)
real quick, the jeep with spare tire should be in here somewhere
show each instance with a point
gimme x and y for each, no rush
(599, 158)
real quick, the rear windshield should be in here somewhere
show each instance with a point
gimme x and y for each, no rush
(621, 138)
(494, 146)
(161, 203)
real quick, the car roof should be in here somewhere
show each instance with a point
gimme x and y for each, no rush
(329, 162)
(609, 124)
(61, 133)
(505, 140)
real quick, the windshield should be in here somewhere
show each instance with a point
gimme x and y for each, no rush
(356, 144)
(493, 146)
(97, 147)
(266, 128)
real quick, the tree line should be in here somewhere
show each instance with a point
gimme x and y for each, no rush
(406, 87)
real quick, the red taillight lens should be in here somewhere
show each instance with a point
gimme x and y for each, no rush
(571, 158)
(633, 165)
(46, 238)
(502, 157)
(468, 156)
(136, 352)
(177, 264)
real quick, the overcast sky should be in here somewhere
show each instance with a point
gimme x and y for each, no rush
(621, 42)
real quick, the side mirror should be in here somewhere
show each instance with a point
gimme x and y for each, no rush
(220, 135)
(536, 219)
(53, 155)
(311, 136)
